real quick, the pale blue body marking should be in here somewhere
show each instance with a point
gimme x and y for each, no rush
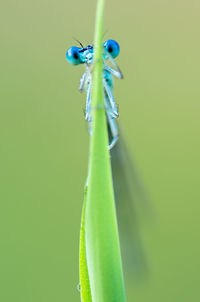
(84, 55)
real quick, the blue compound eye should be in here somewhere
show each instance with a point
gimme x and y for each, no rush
(73, 56)
(112, 48)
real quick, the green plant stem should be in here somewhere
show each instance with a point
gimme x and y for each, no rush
(103, 257)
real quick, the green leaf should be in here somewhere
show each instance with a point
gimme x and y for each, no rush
(84, 277)
(100, 263)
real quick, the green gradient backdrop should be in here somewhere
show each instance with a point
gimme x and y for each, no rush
(44, 142)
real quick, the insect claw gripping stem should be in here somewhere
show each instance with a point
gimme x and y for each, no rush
(85, 55)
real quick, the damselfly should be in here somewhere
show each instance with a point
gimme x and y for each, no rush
(85, 55)
(127, 186)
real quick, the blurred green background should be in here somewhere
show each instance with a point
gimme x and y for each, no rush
(44, 142)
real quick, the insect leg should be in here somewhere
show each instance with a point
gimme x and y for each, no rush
(88, 103)
(114, 131)
(112, 124)
(119, 73)
(85, 76)
(116, 73)
(111, 99)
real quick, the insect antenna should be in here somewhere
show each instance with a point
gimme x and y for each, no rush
(78, 42)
